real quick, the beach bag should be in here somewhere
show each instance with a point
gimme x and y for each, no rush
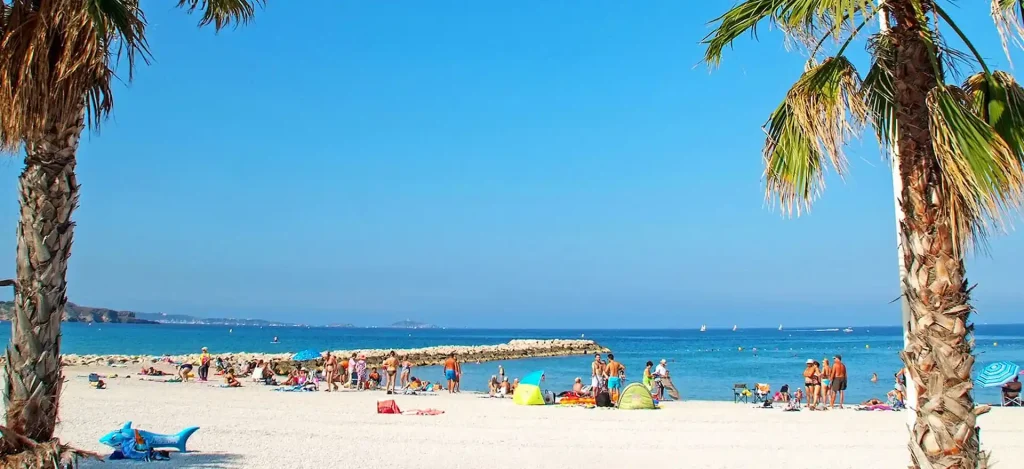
(387, 407)
(603, 399)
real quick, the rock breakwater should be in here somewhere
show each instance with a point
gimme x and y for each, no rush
(515, 349)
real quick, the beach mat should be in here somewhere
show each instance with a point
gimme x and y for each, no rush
(666, 382)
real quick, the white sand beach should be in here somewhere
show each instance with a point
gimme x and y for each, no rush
(254, 427)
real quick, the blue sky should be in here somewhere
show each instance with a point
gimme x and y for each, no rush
(476, 164)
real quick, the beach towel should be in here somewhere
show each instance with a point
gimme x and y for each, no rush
(882, 407)
(423, 412)
(296, 388)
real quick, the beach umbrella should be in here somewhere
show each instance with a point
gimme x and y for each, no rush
(306, 355)
(997, 374)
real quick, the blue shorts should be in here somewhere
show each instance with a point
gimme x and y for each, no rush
(449, 375)
(614, 383)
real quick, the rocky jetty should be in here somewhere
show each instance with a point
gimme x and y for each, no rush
(520, 348)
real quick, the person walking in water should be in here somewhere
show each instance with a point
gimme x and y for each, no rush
(838, 381)
(391, 368)
(204, 364)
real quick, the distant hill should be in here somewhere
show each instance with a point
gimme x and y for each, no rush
(165, 318)
(76, 313)
(407, 324)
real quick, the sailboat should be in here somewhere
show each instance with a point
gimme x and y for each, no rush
(780, 327)
(703, 327)
(848, 330)
(734, 328)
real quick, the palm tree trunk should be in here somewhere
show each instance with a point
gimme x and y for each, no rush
(49, 193)
(939, 355)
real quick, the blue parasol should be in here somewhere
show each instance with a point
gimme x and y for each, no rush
(306, 355)
(997, 374)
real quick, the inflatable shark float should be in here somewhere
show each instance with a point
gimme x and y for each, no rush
(117, 438)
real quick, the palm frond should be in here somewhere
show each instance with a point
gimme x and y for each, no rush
(811, 126)
(221, 13)
(981, 174)
(54, 53)
(801, 18)
(879, 89)
(999, 100)
(1008, 15)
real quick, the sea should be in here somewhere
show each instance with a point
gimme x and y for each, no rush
(703, 365)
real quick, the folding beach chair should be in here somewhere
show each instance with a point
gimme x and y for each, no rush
(762, 392)
(1011, 399)
(740, 392)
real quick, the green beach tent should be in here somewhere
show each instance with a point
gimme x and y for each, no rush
(528, 390)
(636, 396)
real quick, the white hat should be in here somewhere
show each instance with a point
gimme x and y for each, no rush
(663, 361)
(810, 362)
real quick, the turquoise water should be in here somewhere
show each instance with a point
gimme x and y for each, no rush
(703, 365)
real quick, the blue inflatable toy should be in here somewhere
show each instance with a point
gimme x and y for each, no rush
(118, 438)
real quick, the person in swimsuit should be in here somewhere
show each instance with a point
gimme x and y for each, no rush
(331, 371)
(614, 371)
(826, 382)
(596, 370)
(406, 376)
(449, 372)
(183, 371)
(391, 368)
(839, 381)
(811, 381)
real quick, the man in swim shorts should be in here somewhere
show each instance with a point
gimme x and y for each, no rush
(838, 381)
(450, 372)
(596, 370)
(615, 371)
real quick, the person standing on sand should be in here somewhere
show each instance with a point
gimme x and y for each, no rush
(839, 382)
(406, 376)
(204, 364)
(391, 368)
(826, 383)
(331, 371)
(353, 377)
(811, 382)
(615, 372)
(458, 375)
(449, 372)
(596, 371)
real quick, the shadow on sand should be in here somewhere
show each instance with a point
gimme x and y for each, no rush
(190, 460)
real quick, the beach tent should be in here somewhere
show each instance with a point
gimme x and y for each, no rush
(636, 396)
(528, 390)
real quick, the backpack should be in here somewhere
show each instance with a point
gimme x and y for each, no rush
(603, 399)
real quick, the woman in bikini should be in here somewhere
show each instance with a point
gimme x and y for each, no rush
(391, 367)
(812, 380)
(331, 372)
(826, 382)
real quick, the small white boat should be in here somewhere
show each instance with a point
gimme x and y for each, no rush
(848, 330)
(703, 328)
(734, 328)
(780, 327)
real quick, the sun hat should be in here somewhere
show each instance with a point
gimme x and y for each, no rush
(205, 349)
(663, 361)
(810, 361)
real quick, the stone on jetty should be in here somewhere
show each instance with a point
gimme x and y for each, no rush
(519, 348)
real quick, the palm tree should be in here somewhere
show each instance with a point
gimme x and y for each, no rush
(57, 63)
(958, 149)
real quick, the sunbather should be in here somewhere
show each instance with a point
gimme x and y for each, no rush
(230, 380)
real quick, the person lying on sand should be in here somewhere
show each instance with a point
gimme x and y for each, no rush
(872, 401)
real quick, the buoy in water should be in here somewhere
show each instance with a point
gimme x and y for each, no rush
(741, 349)
(230, 331)
(995, 344)
(867, 346)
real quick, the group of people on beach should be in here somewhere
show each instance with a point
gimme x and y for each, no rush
(825, 382)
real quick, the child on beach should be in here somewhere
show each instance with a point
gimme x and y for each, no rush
(360, 372)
